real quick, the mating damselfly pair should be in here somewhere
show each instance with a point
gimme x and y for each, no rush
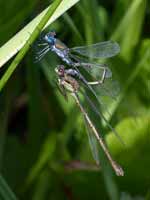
(85, 78)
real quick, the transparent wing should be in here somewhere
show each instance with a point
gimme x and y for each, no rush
(93, 143)
(98, 114)
(90, 89)
(109, 88)
(98, 104)
(101, 74)
(91, 67)
(92, 138)
(99, 50)
(98, 70)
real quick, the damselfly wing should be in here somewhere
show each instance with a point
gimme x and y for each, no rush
(105, 49)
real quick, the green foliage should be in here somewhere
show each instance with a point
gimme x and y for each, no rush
(129, 28)
(44, 150)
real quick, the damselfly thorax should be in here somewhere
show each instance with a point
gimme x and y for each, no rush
(66, 79)
(69, 83)
(62, 53)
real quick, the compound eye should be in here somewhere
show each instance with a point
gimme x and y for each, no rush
(61, 70)
(52, 33)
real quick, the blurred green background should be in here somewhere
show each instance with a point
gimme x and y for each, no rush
(42, 136)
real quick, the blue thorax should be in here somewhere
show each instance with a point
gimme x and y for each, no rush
(50, 39)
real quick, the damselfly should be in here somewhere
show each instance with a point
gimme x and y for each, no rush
(69, 81)
(105, 49)
(77, 57)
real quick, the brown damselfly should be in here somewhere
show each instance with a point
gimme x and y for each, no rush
(69, 82)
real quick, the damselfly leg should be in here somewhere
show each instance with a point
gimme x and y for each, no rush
(41, 54)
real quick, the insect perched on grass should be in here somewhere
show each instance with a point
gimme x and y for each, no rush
(78, 59)
(69, 81)
(78, 56)
(105, 49)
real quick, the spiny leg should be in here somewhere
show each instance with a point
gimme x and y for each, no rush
(43, 50)
(42, 44)
(39, 57)
(62, 88)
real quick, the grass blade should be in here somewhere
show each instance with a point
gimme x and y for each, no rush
(135, 15)
(5, 191)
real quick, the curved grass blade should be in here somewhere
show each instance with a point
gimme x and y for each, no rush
(5, 191)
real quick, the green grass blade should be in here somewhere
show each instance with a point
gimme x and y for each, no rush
(45, 155)
(5, 191)
(73, 27)
(131, 25)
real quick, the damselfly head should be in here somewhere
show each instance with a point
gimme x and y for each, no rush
(50, 37)
(52, 33)
(60, 70)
